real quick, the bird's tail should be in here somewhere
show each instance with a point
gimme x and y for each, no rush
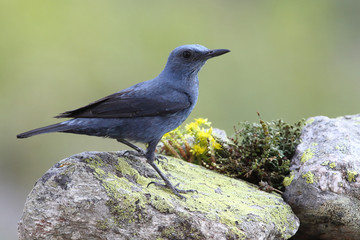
(58, 127)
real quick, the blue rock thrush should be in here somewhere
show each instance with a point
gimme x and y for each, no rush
(143, 112)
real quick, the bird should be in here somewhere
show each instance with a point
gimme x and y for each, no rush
(145, 111)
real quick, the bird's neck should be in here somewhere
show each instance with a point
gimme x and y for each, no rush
(179, 75)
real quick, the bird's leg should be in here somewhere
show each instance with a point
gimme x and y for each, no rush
(133, 146)
(150, 156)
(139, 150)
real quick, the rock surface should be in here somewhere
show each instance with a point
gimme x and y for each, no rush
(98, 195)
(325, 188)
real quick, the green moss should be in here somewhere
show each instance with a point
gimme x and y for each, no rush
(351, 175)
(307, 155)
(129, 206)
(287, 180)
(102, 225)
(330, 164)
(95, 162)
(257, 151)
(343, 148)
(123, 209)
(261, 152)
(162, 205)
(325, 163)
(309, 176)
(181, 229)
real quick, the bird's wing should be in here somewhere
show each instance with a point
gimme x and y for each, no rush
(122, 105)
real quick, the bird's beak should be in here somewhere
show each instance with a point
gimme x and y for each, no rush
(216, 52)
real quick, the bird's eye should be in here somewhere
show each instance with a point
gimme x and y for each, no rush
(186, 54)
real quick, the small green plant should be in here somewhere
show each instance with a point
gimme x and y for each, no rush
(262, 151)
(258, 152)
(195, 143)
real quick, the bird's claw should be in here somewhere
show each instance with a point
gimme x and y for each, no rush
(159, 159)
(128, 153)
(174, 189)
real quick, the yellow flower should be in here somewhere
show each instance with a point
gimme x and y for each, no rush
(167, 135)
(203, 136)
(200, 131)
(198, 150)
(177, 132)
(192, 127)
(202, 121)
(216, 145)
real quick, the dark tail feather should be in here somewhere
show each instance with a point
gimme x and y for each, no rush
(58, 127)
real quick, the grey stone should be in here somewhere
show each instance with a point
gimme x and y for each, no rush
(98, 195)
(324, 191)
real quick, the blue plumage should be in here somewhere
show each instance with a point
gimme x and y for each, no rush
(143, 112)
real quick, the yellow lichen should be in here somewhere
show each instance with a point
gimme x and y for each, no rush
(351, 175)
(325, 163)
(307, 155)
(309, 176)
(287, 180)
(243, 198)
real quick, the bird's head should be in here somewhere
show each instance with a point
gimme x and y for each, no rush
(187, 60)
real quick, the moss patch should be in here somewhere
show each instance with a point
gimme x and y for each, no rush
(307, 155)
(351, 175)
(325, 163)
(257, 152)
(332, 165)
(103, 225)
(287, 180)
(181, 229)
(309, 176)
(228, 200)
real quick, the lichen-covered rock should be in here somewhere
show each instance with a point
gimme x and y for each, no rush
(105, 196)
(324, 185)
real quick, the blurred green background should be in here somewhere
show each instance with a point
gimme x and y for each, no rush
(289, 60)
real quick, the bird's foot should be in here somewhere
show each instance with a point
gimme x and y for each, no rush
(160, 158)
(128, 153)
(174, 189)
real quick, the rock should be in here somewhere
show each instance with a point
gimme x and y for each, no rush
(324, 189)
(98, 195)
